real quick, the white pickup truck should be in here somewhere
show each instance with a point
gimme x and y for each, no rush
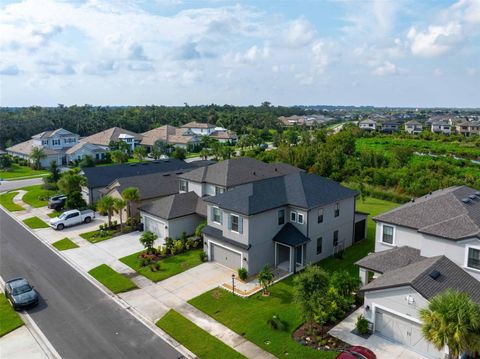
(72, 218)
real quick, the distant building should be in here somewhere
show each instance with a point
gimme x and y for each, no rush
(114, 134)
(413, 127)
(368, 125)
(441, 127)
(199, 128)
(390, 126)
(178, 137)
(468, 128)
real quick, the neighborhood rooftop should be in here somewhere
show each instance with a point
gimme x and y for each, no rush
(174, 206)
(390, 259)
(452, 213)
(112, 134)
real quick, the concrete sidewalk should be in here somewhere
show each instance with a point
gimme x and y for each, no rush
(20, 344)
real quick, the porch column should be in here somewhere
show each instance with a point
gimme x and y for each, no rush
(292, 259)
(364, 276)
(275, 251)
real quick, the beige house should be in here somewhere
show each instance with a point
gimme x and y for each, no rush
(179, 137)
(114, 134)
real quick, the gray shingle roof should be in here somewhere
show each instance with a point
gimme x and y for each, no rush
(290, 236)
(297, 189)
(417, 275)
(174, 206)
(442, 213)
(391, 259)
(237, 171)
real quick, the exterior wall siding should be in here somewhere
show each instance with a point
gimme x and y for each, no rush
(183, 224)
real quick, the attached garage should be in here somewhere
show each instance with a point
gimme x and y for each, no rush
(154, 226)
(403, 331)
(225, 256)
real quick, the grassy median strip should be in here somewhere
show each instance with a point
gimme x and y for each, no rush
(98, 235)
(54, 214)
(114, 281)
(9, 318)
(35, 223)
(36, 196)
(194, 338)
(168, 267)
(6, 200)
(64, 244)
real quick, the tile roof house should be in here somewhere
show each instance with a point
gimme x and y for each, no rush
(468, 128)
(114, 134)
(199, 128)
(179, 137)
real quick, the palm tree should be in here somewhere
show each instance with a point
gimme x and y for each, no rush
(118, 206)
(452, 319)
(265, 278)
(36, 155)
(106, 204)
(130, 194)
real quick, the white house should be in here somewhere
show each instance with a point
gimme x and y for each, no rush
(368, 125)
(199, 128)
(413, 127)
(441, 127)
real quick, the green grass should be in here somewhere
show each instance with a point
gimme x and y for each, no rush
(36, 196)
(114, 281)
(197, 340)
(54, 214)
(6, 200)
(17, 171)
(168, 267)
(94, 236)
(35, 223)
(248, 317)
(64, 244)
(9, 319)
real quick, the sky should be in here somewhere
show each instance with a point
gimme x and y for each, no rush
(170, 52)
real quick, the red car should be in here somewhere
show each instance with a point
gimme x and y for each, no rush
(357, 352)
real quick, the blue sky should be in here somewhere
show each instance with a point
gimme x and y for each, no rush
(168, 52)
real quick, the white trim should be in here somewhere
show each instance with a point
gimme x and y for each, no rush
(221, 215)
(391, 311)
(223, 246)
(465, 263)
(393, 244)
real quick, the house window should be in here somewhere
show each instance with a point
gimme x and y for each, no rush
(293, 216)
(337, 210)
(335, 238)
(473, 260)
(281, 217)
(320, 215)
(183, 185)
(387, 236)
(234, 223)
(300, 218)
(319, 245)
(217, 215)
(44, 142)
(55, 142)
(219, 190)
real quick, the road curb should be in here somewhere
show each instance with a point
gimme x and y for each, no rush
(133, 312)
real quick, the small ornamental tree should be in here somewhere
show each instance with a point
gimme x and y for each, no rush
(140, 153)
(106, 204)
(130, 194)
(36, 156)
(265, 278)
(118, 206)
(147, 239)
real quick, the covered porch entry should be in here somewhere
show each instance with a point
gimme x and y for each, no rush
(290, 249)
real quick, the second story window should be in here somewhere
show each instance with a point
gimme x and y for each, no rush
(473, 259)
(337, 210)
(293, 216)
(183, 185)
(335, 238)
(387, 235)
(44, 142)
(235, 223)
(281, 217)
(219, 190)
(300, 218)
(320, 215)
(216, 215)
(56, 142)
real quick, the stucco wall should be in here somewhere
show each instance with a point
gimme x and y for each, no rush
(183, 224)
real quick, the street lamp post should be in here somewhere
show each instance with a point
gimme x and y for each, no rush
(233, 284)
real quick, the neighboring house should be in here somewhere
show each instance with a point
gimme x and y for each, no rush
(468, 128)
(101, 176)
(286, 221)
(199, 128)
(368, 125)
(82, 149)
(390, 127)
(413, 127)
(223, 135)
(406, 283)
(441, 127)
(178, 137)
(114, 134)
(54, 144)
(445, 222)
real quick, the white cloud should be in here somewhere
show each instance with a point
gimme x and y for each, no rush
(385, 69)
(437, 72)
(436, 40)
(9, 70)
(299, 33)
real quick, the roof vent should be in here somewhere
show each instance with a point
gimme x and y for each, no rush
(276, 169)
(477, 193)
(472, 196)
(466, 200)
(434, 274)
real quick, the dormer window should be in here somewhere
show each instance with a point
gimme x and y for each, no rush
(473, 258)
(293, 216)
(219, 190)
(300, 218)
(183, 185)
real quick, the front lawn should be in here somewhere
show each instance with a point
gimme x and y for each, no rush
(169, 266)
(194, 338)
(114, 281)
(35, 223)
(9, 318)
(36, 196)
(64, 244)
(6, 200)
(16, 171)
(99, 235)
(248, 317)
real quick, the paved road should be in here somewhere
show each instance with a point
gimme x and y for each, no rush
(77, 318)
(9, 185)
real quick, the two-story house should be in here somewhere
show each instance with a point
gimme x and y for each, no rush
(368, 125)
(199, 128)
(54, 144)
(413, 127)
(390, 126)
(468, 128)
(114, 134)
(441, 127)
(178, 137)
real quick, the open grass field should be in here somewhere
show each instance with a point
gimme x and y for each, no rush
(111, 279)
(16, 171)
(6, 200)
(248, 317)
(197, 340)
(169, 266)
(64, 244)
(9, 318)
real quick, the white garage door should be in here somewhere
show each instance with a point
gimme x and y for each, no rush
(226, 257)
(404, 332)
(154, 226)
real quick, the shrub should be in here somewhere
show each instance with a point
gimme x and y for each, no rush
(183, 237)
(242, 273)
(276, 323)
(178, 245)
(362, 325)
(190, 243)
(203, 256)
(168, 242)
(154, 267)
(164, 251)
(198, 230)
(114, 224)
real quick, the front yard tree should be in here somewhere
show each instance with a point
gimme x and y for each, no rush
(119, 156)
(179, 153)
(147, 239)
(70, 182)
(54, 171)
(106, 204)
(265, 278)
(75, 200)
(5, 162)
(36, 156)
(119, 205)
(140, 153)
(452, 319)
(130, 194)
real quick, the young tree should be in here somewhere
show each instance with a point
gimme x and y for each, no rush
(75, 200)
(70, 182)
(119, 156)
(130, 194)
(452, 319)
(54, 171)
(147, 239)
(118, 206)
(37, 154)
(161, 147)
(265, 278)
(87, 161)
(179, 153)
(5, 162)
(140, 153)
(106, 204)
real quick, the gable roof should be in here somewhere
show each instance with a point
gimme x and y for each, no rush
(290, 235)
(195, 124)
(102, 176)
(103, 138)
(237, 171)
(298, 189)
(174, 206)
(390, 259)
(417, 275)
(84, 145)
(443, 213)
(169, 134)
(25, 148)
(413, 122)
(58, 132)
